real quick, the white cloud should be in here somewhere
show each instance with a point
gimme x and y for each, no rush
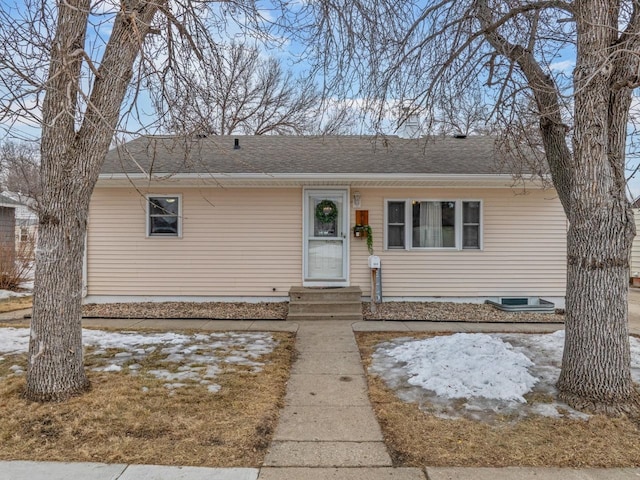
(564, 66)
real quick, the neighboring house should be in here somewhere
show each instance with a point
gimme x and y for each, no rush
(247, 218)
(26, 226)
(7, 224)
(635, 249)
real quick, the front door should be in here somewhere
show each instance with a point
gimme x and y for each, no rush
(326, 226)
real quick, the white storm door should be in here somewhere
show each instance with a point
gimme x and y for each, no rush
(326, 226)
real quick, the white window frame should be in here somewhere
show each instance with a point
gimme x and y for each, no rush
(386, 223)
(148, 198)
(480, 225)
(408, 224)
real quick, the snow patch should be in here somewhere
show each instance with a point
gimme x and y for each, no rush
(442, 365)
(195, 358)
(480, 375)
(5, 294)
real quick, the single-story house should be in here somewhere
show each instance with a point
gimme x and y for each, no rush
(247, 217)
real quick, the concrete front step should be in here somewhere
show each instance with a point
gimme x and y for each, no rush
(331, 306)
(325, 304)
(344, 294)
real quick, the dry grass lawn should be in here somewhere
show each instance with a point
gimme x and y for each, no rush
(135, 419)
(416, 439)
(15, 303)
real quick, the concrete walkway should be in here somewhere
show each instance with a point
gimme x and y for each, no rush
(327, 429)
(327, 420)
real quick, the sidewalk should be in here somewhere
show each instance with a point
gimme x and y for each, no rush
(99, 471)
(327, 420)
(327, 429)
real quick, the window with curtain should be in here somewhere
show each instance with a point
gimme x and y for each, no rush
(422, 224)
(434, 224)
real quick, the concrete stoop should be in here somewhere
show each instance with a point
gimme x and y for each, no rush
(344, 303)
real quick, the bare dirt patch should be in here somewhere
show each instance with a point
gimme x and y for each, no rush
(135, 419)
(15, 303)
(416, 438)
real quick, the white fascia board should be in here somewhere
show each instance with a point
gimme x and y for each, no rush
(301, 179)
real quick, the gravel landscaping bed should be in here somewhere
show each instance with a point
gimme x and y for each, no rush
(452, 312)
(208, 310)
(426, 311)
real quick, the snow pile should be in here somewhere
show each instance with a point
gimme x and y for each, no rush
(441, 365)
(479, 375)
(199, 357)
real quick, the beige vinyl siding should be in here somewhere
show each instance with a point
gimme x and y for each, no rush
(235, 242)
(524, 248)
(244, 242)
(635, 250)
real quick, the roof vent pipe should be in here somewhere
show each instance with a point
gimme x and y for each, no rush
(236, 143)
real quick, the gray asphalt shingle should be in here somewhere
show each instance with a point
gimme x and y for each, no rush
(304, 155)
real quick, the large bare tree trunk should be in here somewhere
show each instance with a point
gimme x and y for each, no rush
(595, 371)
(590, 182)
(56, 368)
(71, 159)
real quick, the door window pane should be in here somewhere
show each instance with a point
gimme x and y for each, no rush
(326, 215)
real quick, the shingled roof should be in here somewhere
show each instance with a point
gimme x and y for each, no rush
(8, 202)
(161, 155)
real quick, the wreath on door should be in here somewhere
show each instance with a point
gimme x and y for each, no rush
(326, 211)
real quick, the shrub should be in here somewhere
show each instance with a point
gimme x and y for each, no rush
(16, 263)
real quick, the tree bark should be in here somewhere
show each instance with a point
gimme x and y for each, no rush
(56, 367)
(70, 164)
(595, 373)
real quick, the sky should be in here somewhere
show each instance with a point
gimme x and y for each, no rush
(286, 50)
